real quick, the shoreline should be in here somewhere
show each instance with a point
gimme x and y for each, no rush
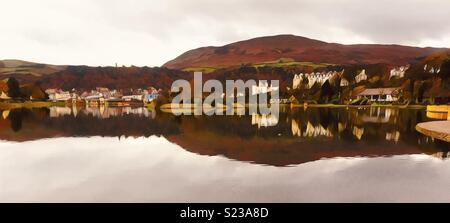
(40, 104)
(192, 106)
(27, 104)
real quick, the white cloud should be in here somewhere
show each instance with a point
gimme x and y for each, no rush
(102, 32)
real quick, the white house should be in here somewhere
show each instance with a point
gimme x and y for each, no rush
(399, 72)
(58, 95)
(380, 94)
(263, 88)
(344, 82)
(137, 97)
(361, 76)
(432, 70)
(318, 77)
(296, 82)
(4, 96)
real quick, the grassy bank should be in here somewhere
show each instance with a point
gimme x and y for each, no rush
(360, 106)
(27, 104)
(168, 107)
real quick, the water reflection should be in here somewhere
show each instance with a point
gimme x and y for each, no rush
(106, 169)
(296, 136)
(101, 111)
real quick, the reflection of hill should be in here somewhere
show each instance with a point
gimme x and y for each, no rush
(304, 136)
(282, 152)
(300, 135)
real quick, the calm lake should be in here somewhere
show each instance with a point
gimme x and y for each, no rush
(138, 155)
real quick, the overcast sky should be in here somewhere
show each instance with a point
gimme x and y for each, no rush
(151, 32)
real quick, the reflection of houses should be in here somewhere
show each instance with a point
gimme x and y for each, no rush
(58, 95)
(315, 131)
(379, 115)
(358, 132)
(380, 94)
(296, 131)
(361, 76)
(311, 130)
(264, 120)
(342, 126)
(5, 114)
(56, 111)
(99, 112)
(393, 136)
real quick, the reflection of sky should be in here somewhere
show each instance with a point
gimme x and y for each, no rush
(155, 170)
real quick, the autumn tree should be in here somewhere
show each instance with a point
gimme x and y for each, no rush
(13, 88)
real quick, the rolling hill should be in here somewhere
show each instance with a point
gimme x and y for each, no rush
(26, 71)
(290, 48)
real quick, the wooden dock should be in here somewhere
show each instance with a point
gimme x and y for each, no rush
(436, 129)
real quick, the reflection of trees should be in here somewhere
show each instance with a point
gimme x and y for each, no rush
(16, 116)
(372, 125)
(124, 125)
(315, 125)
(20, 115)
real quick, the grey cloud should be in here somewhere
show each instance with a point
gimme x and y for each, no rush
(379, 21)
(169, 27)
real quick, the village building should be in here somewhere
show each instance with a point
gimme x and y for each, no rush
(150, 97)
(4, 96)
(344, 82)
(58, 95)
(431, 69)
(3, 91)
(296, 82)
(380, 94)
(133, 97)
(398, 72)
(361, 76)
(313, 78)
(263, 88)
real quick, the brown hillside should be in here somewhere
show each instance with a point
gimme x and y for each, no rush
(273, 48)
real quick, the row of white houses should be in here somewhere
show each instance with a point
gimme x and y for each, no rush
(321, 77)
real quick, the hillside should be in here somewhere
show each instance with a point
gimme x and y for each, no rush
(422, 73)
(26, 71)
(272, 49)
(87, 78)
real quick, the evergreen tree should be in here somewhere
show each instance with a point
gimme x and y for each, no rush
(13, 88)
